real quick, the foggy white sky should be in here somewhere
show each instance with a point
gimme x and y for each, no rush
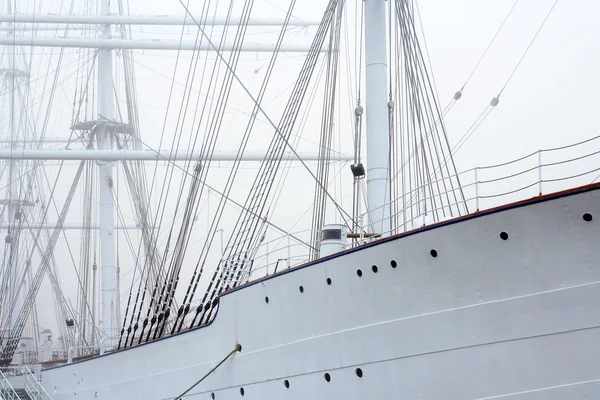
(551, 100)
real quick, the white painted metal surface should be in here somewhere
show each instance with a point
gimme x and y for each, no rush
(147, 155)
(40, 41)
(334, 238)
(486, 318)
(108, 264)
(143, 20)
(51, 225)
(378, 168)
(14, 183)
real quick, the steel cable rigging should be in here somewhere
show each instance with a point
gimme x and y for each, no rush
(192, 287)
(16, 332)
(163, 297)
(327, 124)
(196, 187)
(419, 143)
(154, 287)
(150, 240)
(248, 232)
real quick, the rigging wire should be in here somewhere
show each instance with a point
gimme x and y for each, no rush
(249, 227)
(489, 46)
(424, 141)
(28, 304)
(229, 185)
(327, 125)
(260, 108)
(458, 95)
(495, 101)
(201, 171)
(157, 292)
(528, 47)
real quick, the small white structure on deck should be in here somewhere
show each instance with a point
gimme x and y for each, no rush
(334, 238)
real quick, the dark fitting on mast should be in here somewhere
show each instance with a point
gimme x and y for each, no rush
(358, 170)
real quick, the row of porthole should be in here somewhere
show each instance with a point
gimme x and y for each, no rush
(587, 217)
(286, 383)
(433, 253)
(375, 269)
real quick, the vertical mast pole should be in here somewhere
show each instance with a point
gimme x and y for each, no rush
(104, 132)
(378, 178)
(13, 185)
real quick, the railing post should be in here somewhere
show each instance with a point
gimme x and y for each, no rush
(540, 172)
(476, 190)
(423, 205)
(360, 228)
(267, 256)
(289, 257)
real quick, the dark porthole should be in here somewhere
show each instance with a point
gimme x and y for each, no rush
(242, 392)
(393, 263)
(327, 377)
(359, 273)
(267, 299)
(329, 281)
(433, 253)
(286, 383)
(301, 289)
(375, 269)
(358, 372)
(503, 235)
(587, 217)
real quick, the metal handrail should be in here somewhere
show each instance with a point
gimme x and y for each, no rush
(482, 188)
(7, 391)
(34, 387)
(32, 382)
(519, 177)
(73, 348)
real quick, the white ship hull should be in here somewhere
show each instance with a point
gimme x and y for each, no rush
(486, 319)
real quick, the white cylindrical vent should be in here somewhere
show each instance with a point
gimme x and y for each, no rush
(334, 238)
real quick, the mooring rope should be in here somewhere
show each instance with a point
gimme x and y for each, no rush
(238, 348)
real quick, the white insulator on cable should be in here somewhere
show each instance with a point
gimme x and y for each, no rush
(458, 95)
(495, 101)
(391, 104)
(358, 111)
(8, 238)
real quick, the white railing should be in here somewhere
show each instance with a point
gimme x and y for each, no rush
(542, 172)
(33, 385)
(32, 382)
(94, 349)
(7, 392)
(280, 253)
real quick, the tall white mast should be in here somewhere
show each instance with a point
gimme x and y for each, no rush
(378, 177)
(104, 138)
(13, 176)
